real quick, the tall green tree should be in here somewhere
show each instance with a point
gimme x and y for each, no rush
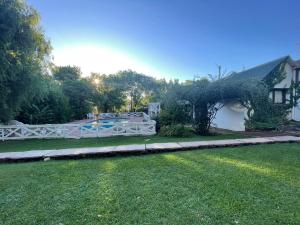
(24, 53)
(78, 91)
(49, 106)
(203, 96)
(136, 86)
(64, 73)
(194, 102)
(107, 97)
(80, 95)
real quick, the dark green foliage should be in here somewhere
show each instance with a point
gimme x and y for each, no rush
(294, 94)
(50, 107)
(203, 95)
(196, 103)
(174, 113)
(107, 97)
(23, 55)
(65, 73)
(78, 91)
(262, 113)
(136, 87)
(126, 88)
(79, 94)
(176, 130)
(158, 123)
(108, 100)
(276, 76)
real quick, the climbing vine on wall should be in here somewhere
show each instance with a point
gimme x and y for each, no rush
(263, 113)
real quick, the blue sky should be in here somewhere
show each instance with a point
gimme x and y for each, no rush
(169, 38)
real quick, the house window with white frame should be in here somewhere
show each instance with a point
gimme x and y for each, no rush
(279, 96)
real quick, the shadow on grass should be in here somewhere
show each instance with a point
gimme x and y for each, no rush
(237, 188)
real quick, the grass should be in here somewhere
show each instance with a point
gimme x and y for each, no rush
(34, 144)
(246, 185)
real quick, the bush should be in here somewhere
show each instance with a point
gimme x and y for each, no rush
(176, 130)
(48, 105)
(158, 125)
(173, 113)
(262, 113)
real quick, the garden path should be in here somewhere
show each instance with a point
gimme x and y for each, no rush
(137, 149)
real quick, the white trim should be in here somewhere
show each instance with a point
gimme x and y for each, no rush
(84, 130)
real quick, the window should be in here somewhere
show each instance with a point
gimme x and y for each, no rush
(284, 96)
(279, 96)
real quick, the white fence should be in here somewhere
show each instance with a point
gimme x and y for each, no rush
(15, 132)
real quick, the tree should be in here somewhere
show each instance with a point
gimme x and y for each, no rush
(50, 106)
(24, 53)
(78, 91)
(80, 95)
(174, 112)
(64, 73)
(136, 86)
(204, 96)
(192, 101)
(106, 97)
(262, 113)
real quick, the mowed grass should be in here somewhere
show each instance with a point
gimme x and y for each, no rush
(245, 185)
(35, 144)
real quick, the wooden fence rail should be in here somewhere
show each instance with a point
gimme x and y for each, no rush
(86, 130)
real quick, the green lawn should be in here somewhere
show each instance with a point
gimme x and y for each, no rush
(246, 185)
(34, 144)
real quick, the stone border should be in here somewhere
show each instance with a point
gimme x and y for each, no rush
(137, 149)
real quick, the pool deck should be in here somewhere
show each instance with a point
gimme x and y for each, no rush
(137, 149)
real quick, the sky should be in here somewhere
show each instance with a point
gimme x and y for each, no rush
(168, 38)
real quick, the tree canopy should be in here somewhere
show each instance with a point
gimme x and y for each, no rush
(65, 73)
(24, 53)
(136, 86)
(77, 90)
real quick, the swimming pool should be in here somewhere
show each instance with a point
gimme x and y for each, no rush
(118, 120)
(104, 123)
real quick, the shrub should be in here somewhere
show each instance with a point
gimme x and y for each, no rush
(266, 116)
(158, 125)
(173, 113)
(263, 113)
(176, 130)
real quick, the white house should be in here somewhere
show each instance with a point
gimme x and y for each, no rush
(232, 115)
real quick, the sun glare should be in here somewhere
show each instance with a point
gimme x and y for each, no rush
(99, 59)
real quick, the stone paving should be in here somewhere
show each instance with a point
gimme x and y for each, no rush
(138, 148)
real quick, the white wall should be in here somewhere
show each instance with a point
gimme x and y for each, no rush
(286, 83)
(296, 112)
(231, 116)
(290, 74)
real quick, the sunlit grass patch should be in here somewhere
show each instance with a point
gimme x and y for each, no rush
(240, 164)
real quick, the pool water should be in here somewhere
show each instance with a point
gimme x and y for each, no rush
(107, 123)
(113, 121)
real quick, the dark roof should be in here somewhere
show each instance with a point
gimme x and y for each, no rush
(259, 72)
